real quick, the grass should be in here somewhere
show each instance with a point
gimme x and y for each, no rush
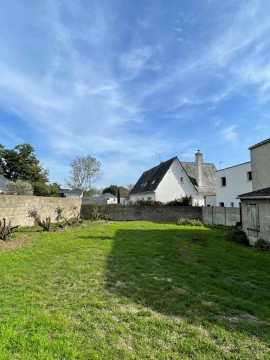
(133, 290)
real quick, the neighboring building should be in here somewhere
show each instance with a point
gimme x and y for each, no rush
(174, 179)
(103, 199)
(69, 192)
(260, 165)
(232, 181)
(3, 183)
(256, 204)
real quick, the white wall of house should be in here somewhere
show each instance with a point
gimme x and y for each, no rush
(260, 164)
(174, 184)
(237, 182)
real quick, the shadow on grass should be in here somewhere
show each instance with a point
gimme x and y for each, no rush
(192, 274)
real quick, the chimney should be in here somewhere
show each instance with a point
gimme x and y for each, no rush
(199, 168)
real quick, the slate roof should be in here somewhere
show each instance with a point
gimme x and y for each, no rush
(209, 179)
(259, 144)
(262, 193)
(75, 192)
(150, 179)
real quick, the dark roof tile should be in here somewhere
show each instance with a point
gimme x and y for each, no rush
(254, 194)
(151, 178)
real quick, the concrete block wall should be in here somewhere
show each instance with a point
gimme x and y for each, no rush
(217, 215)
(147, 213)
(15, 208)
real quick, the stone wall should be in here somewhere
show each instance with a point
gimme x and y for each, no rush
(16, 208)
(148, 213)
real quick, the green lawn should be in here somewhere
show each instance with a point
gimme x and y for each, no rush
(133, 290)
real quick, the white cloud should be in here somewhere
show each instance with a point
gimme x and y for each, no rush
(229, 133)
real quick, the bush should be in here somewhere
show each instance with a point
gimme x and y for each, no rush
(44, 223)
(149, 203)
(19, 187)
(262, 245)
(43, 189)
(184, 201)
(237, 235)
(189, 222)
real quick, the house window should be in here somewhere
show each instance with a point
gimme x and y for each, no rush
(252, 217)
(149, 198)
(232, 204)
(221, 204)
(249, 176)
(223, 181)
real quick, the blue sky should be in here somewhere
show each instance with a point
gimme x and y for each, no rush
(123, 80)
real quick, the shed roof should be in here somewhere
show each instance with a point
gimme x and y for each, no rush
(258, 194)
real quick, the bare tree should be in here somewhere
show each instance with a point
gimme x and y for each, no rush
(84, 171)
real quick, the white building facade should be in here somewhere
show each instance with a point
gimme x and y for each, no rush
(232, 181)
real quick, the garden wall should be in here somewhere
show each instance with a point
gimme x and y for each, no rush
(148, 213)
(16, 208)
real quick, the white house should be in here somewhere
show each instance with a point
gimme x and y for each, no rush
(174, 179)
(232, 181)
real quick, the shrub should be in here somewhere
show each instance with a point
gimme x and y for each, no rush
(45, 224)
(184, 201)
(149, 203)
(189, 222)
(262, 245)
(19, 187)
(237, 235)
(59, 213)
(43, 189)
(6, 229)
